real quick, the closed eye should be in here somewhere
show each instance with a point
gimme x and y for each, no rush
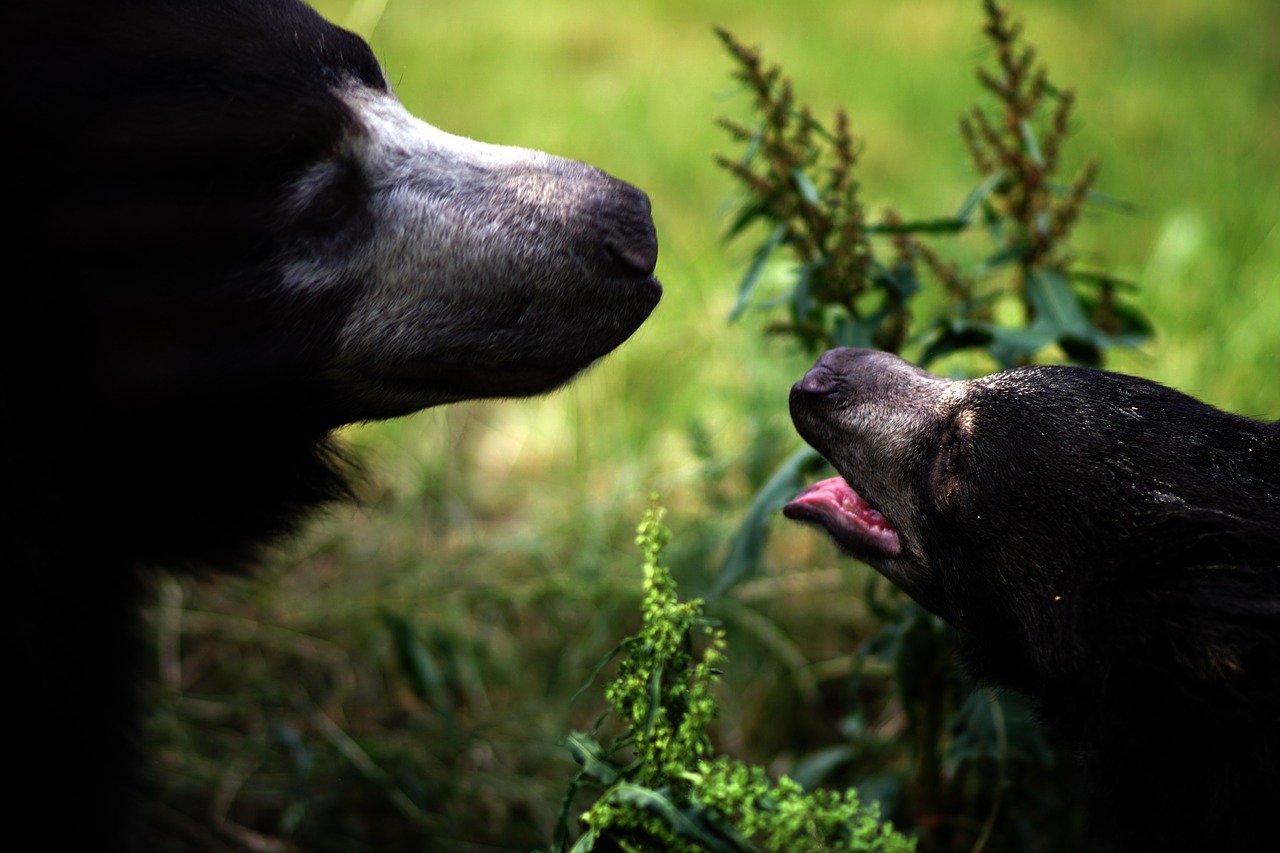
(950, 446)
(945, 474)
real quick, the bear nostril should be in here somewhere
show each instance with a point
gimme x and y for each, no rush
(630, 240)
(635, 252)
(815, 392)
(819, 381)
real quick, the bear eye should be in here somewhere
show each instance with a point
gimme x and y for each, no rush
(326, 206)
(331, 200)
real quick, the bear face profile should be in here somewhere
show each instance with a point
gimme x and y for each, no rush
(228, 238)
(1107, 545)
(189, 167)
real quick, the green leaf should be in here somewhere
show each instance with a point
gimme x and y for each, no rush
(1057, 305)
(885, 606)
(1029, 142)
(599, 668)
(746, 216)
(800, 296)
(753, 147)
(1012, 346)
(998, 726)
(805, 187)
(1104, 200)
(748, 542)
(756, 270)
(586, 843)
(1005, 256)
(924, 646)
(852, 332)
(900, 279)
(813, 769)
(1103, 280)
(595, 762)
(1099, 198)
(954, 336)
(942, 225)
(978, 195)
(678, 820)
(425, 676)
(978, 726)
(1135, 327)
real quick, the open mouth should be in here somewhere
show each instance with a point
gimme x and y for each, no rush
(854, 524)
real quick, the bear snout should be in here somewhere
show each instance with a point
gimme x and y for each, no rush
(853, 375)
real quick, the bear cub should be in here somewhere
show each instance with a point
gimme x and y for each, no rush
(1102, 543)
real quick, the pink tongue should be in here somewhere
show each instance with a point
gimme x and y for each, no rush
(850, 520)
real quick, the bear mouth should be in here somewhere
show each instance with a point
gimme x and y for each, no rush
(854, 524)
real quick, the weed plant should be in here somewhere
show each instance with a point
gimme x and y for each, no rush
(660, 785)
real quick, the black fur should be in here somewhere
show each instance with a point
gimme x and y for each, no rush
(1103, 543)
(226, 239)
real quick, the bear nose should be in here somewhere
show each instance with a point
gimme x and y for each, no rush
(630, 241)
(829, 372)
(836, 369)
(818, 381)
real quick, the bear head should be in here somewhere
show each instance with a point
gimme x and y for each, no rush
(1047, 511)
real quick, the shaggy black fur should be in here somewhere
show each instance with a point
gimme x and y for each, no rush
(1105, 544)
(224, 239)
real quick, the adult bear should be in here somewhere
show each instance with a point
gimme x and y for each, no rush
(1107, 545)
(226, 237)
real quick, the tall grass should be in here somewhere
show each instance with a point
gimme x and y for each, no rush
(401, 677)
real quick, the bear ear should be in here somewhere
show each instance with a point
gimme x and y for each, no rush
(947, 469)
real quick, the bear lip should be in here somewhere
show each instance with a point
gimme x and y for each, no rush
(853, 523)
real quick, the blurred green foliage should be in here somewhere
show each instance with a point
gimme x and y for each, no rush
(400, 677)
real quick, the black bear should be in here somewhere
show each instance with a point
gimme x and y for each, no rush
(1105, 544)
(226, 237)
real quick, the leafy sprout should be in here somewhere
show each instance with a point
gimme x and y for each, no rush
(660, 785)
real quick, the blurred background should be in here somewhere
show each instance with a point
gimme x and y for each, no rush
(400, 677)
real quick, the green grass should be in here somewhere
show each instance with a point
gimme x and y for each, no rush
(502, 532)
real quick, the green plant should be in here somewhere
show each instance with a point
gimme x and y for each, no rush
(854, 282)
(660, 786)
(798, 177)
